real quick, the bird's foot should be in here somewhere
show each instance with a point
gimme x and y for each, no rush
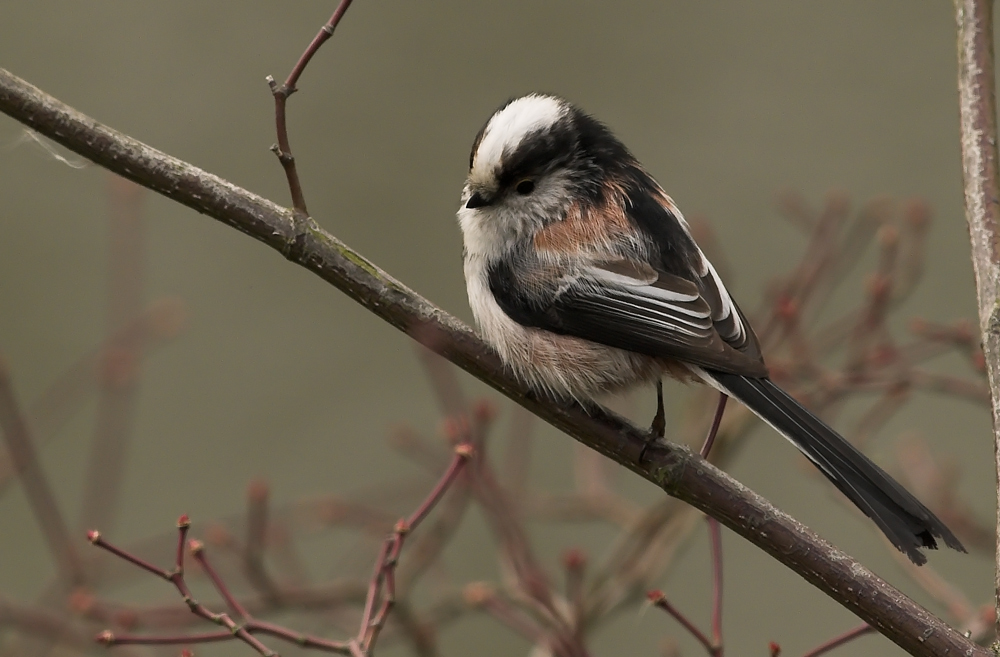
(658, 427)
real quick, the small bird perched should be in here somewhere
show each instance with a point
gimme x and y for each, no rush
(583, 275)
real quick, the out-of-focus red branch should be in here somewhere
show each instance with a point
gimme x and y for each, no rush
(43, 623)
(256, 541)
(714, 644)
(240, 624)
(827, 646)
(382, 591)
(529, 581)
(242, 631)
(22, 453)
(480, 595)
(839, 640)
(122, 357)
(658, 599)
(161, 321)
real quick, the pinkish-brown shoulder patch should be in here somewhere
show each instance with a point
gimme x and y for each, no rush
(586, 229)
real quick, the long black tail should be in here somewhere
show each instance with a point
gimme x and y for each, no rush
(907, 523)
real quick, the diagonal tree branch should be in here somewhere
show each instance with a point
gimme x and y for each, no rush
(675, 469)
(978, 116)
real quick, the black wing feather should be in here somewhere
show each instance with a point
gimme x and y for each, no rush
(907, 523)
(639, 323)
(666, 316)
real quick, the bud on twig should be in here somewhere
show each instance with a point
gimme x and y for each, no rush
(476, 594)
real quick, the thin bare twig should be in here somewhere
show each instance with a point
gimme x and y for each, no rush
(840, 640)
(242, 625)
(714, 644)
(242, 630)
(382, 590)
(426, 548)
(658, 599)
(281, 93)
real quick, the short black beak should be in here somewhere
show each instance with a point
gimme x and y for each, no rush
(477, 200)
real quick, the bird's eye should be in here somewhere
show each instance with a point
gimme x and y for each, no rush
(525, 187)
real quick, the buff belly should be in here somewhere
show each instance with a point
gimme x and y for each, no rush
(561, 365)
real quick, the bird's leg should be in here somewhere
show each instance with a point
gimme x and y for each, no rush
(659, 424)
(716, 421)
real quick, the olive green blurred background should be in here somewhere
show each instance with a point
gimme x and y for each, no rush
(279, 375)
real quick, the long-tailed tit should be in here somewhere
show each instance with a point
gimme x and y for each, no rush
(584, 277)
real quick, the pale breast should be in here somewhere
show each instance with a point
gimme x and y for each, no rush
(560, 365)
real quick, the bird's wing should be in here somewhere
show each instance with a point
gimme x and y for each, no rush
(628, 304)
